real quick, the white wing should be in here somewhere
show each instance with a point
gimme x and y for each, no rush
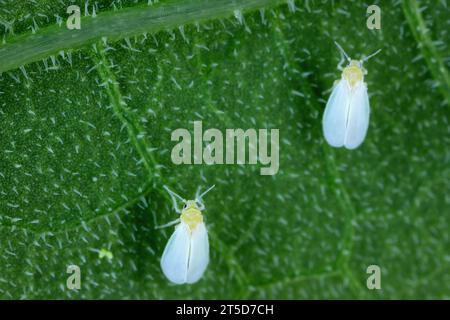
(199, 254)
(358, 116)
(334, 120)
(174, 261)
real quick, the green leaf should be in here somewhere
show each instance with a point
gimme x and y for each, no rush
(87, 117)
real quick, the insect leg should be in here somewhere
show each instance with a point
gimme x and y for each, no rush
(201, 206)
(340, 64)
(171, 223)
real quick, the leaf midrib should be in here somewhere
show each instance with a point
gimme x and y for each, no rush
(116, 25)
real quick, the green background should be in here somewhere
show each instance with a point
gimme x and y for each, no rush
(85, 150)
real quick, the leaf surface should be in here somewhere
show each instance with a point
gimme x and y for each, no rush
(85, 148)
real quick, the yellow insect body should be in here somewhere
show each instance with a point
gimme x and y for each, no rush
(191, 215)
(353, 73)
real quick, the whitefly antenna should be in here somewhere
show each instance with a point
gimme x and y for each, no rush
(208, 190)
(342, 51)
(174, 198)
(370, 56)
(199, 199)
